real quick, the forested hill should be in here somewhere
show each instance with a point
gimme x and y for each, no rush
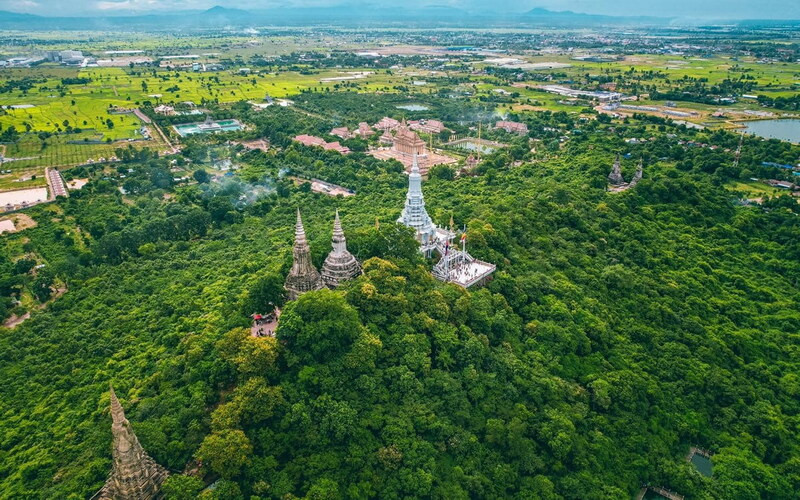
(620, 330)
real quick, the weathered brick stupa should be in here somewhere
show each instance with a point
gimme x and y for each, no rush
(303, 277)
(615, 177)
(617, 182)
(340, 265)
(134, 475)
(638, 175)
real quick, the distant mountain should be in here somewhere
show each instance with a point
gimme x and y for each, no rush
(443, 10)
(352, 15)
(219, 10)
(6, 16)
(221, 16)
(568, 17)
(224, 13)
(538, 11)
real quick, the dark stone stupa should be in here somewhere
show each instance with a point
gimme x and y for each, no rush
(615, 177)
(303, 277)
(134, 475)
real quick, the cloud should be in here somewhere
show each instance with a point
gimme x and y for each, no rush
(781, 9)
(114, 5)
(20, 5)
(111, 5)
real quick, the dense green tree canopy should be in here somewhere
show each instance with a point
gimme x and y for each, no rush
(619, 330)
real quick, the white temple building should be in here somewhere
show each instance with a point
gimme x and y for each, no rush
(416, 217)
(455, 266)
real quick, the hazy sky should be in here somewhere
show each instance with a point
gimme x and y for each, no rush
(718, 9)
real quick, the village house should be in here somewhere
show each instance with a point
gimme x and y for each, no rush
(427, 126)
(310, 140)
(364, 130)
(165, 110)
(342, 132)
(512, 127)
(386, 124)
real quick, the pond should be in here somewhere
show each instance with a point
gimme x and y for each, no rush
(473, 146)
(207, 127)
(413, 107)
(785, 129)
(702, 464)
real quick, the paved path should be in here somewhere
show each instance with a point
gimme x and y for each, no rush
(172, 149)
(661, 491)
(14, 321)
(145, 119)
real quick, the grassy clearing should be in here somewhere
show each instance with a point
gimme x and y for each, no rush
(87, 105)
(753, 189)
(674, 67)
(771, 79)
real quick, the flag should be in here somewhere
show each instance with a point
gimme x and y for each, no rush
(463, 237)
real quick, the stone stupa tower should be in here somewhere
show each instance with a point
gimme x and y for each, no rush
(615, 177)
(638, 175)
(303, 277)
(340, 265)
(134, 475)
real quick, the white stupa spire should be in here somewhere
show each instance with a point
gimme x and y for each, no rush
(414, 214)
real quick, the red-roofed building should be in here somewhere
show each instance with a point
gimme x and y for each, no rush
(386, 138)
(387, 123)
(513, 127)
(342, 132)
(364, 130)
(335, 146)
(310, 140)
(427, 126)
(407, 141)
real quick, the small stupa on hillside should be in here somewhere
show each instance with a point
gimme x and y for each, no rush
(617, 181)
(638, 175)
(615, 177)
